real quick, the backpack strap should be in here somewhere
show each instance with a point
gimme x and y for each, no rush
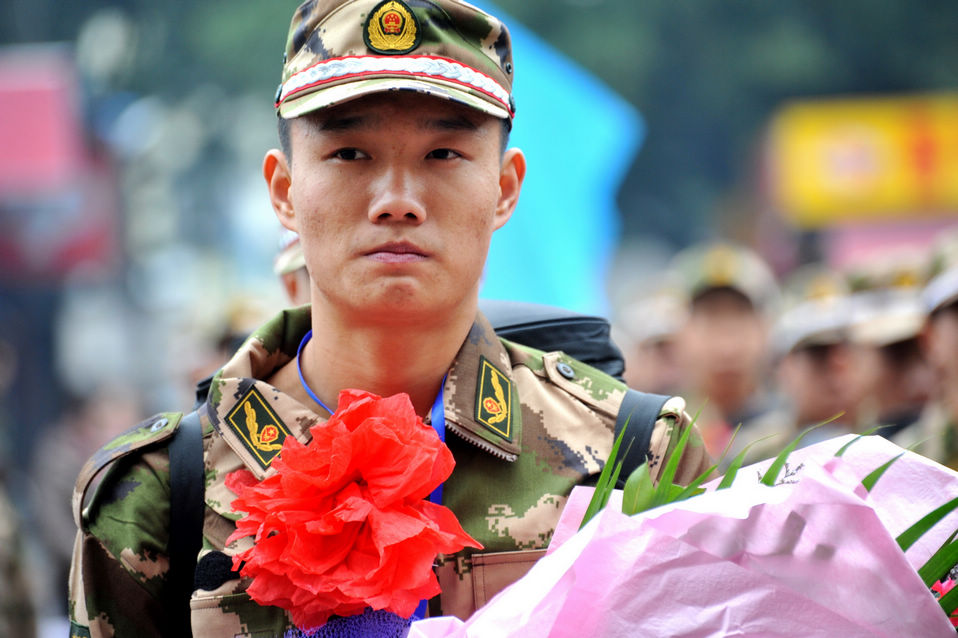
(637, 415)
(187, 485)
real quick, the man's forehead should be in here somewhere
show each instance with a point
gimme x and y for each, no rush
(429, 113)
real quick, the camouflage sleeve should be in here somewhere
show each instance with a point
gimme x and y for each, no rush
(120, 559)
(672, 421)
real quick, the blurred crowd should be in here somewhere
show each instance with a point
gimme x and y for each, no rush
(762, 357)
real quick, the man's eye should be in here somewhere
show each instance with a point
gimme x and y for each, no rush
(443, 154)
(350, 154)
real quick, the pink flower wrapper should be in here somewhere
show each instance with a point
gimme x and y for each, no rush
(815, 556)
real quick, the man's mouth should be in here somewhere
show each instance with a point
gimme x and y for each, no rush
(397, 253)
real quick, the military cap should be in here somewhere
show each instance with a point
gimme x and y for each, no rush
(817, 310)
(942, 287)
(290, 256)
(941, 291)
(339, 50)
(886, 303)
(713, 265)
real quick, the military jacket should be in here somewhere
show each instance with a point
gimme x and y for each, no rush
(524, 427)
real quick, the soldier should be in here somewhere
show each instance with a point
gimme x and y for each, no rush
(290, 267)
(394, 172)
(816, 364)
(935, 435)
(722, 347)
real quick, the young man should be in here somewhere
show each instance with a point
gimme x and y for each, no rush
(722, 346)
(395, 176)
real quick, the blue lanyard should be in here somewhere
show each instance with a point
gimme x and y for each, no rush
(299, 368)
(437, 415)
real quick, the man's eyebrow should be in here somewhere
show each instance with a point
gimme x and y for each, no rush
(450, 123)
(343, 123)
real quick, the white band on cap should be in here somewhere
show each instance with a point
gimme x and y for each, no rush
(421, 66)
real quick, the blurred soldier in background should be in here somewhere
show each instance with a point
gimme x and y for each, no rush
(17, 606)
(646, 331)
(935, 435)
(887, 321)
(722, 345)
(290, 267)
(817, 366)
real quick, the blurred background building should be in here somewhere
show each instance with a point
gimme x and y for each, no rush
(136, 237)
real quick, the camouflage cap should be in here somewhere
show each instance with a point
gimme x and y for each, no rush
(340, 50)
(290, 257)
(714, 265)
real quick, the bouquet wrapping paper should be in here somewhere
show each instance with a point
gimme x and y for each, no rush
(813, 556)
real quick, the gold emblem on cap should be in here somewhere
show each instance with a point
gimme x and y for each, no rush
(721, 266)
(392, 28)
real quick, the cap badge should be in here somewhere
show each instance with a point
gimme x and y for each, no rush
(392, 28)
(258, 427)
(721, 266)
(494, 399)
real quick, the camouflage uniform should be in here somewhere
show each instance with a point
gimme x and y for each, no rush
(510, 483)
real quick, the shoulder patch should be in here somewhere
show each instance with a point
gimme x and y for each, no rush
(149, 432)
(494, 399)
(258, 427)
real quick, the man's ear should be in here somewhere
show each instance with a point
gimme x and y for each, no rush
(511, 174)
(278, 181)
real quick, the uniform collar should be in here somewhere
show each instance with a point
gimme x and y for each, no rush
(252, 417)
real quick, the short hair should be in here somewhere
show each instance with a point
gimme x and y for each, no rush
(282, 128)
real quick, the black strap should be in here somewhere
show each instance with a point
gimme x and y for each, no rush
(638, 414)
(582, 337)
(186, 517)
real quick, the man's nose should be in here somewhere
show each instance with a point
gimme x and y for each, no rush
(398, 198)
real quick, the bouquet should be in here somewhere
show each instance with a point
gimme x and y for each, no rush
(344, 527)
(818, 542)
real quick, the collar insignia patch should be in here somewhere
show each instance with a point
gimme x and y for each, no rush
(392, 28)
(494, 399)
(258, 427)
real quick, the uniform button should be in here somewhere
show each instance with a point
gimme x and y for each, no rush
(159, 425)
(566, 370)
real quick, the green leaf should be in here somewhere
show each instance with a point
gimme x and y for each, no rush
(638, 491)
(663, 489)
(867, 432)
(607, 480)
(949, 602)
(869, 481)
(736, 464)
(940, 562)
(600, 497)
(907, 538)
(693, 488)
(771, 474)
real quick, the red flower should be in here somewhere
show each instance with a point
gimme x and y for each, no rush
(343, 525)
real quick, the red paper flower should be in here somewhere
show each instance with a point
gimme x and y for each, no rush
(343, 525)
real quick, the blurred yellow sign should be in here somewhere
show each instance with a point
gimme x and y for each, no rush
(845, 160)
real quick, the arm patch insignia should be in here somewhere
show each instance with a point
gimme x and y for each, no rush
(494, 399)
(258, 427)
